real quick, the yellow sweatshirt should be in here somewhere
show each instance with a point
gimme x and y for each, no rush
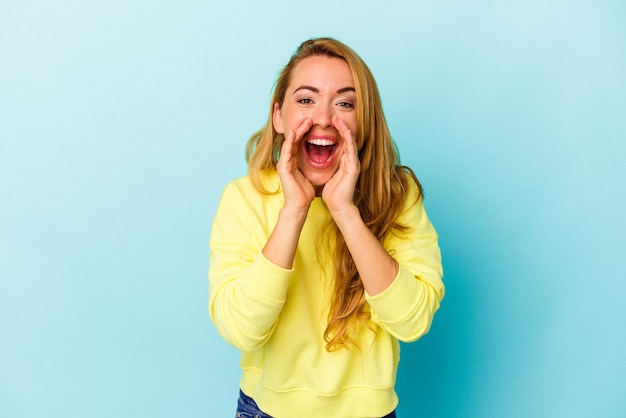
(277, 317)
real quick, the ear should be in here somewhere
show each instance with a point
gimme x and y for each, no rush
(277, 120)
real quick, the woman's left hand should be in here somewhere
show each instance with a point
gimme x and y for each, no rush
(377, 269)
(338, 192)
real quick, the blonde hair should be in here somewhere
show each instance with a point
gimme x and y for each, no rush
(380, 192)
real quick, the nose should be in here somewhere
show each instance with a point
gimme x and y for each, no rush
(322, 116)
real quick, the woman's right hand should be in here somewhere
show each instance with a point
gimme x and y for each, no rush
(281, 246)
(298, 191)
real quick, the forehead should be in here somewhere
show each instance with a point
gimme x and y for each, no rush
(322, 71)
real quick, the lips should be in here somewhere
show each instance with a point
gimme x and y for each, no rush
(320, 151)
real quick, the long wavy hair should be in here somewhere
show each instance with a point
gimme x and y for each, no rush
(380, 192)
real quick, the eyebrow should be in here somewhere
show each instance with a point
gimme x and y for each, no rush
(316, 90)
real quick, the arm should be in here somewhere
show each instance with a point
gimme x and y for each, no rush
(250, 267)
(247, 291)
(376, 267)
(299, 193)
(407, 307)
(404, 291)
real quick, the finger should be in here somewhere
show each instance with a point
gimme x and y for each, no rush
(343, 129)
(346, 134)
(302, 129)
(286, 151)
(288, 142)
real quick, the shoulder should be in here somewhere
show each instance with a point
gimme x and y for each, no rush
(242, 207)
(240, 185)
(243, 190)
(413, 213)
(268, 180)
(412, 189)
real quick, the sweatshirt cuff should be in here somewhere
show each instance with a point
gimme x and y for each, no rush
(267, 280)
(398, 301)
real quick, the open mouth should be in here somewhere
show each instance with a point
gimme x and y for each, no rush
(320, 151)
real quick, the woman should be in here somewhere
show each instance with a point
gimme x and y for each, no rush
(323, 257)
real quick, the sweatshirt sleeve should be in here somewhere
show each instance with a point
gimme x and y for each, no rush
(246, 290)
(406, 308)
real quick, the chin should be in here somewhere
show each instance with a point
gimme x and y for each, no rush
(318, 182)
(319, 179)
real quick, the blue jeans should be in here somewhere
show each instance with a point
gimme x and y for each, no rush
(247, 408)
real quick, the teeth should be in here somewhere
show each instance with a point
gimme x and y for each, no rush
(321, 142)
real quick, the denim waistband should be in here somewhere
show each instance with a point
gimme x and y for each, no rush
(247, 408)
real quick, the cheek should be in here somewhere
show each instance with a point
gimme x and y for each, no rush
(294, 118)
(354, 128)
(352, 123)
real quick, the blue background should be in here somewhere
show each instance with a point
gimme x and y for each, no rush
(121, 122)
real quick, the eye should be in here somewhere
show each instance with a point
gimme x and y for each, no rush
(305, 101)
(345, 105)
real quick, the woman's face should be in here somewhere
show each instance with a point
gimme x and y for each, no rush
(320, 88)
